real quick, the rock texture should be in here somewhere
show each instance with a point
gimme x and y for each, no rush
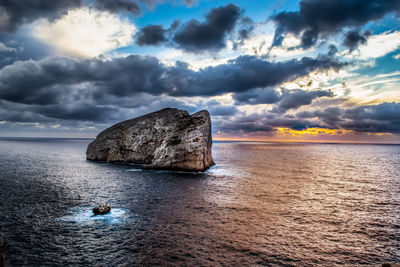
(167, 139)
(102, 209)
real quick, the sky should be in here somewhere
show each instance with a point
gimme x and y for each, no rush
(287, 70)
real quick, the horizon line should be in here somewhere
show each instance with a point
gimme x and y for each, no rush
(230, 140)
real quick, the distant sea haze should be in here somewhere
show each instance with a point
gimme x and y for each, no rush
(267, 204)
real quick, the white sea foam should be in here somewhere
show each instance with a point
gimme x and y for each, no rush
(225, 170)
(85, 215)
(134, 170)
(218, 170)
(162, 171)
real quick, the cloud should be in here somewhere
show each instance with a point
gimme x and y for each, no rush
(4, 48)
(97, 90)
(353, 39)
(21, 47)
(257, 96)
(284, 100)
(195, 36)
(13, 13)
(374, 118)
(246, 27)
(134, 6)
(292, 99)
(198, 37)
(319, 18)
(210, 35)
(261, 122)
(151, 4)
(381, 118)
(37, 81)
(190, 3)
(378, 45)
(118, 6)
(242, 74)
(78, 111)
(85, 32)
(151, 35)
(216, 108)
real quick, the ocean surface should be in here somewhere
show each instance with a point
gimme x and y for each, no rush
(263, 204)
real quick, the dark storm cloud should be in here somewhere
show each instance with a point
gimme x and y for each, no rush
(285, 99)
(67, 85)
(263, 122)
(37, 81)
(118, 6)
(257, 96)
(16, 12)
(370, 118)
(152, 3)
(198, 37)
(292, 99)
(246, 27)
(381, 118)
(83, 112)
(327, 118)
(151, 35)
(353, 39)
(49, 113)
(209, 35)
(217, 109)
(26, 48)
(242, 74)
(330, 116)
(319, 18)
(132, 6)
(332, 50)
(375, 118)
(220, 110)
(15, 112)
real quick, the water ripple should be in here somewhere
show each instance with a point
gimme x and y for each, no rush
(263, 204)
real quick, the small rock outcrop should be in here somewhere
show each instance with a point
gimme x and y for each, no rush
(3, 245)
(102, 209)
(169, 139)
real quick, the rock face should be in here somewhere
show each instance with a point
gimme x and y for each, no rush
(102, 209)
(167, 139)
(3, 245)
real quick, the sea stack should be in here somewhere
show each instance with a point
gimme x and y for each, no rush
(170, 139)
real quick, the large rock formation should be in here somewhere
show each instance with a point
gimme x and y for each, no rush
(167, 139)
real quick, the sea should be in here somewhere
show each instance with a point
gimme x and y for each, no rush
(263, 204)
